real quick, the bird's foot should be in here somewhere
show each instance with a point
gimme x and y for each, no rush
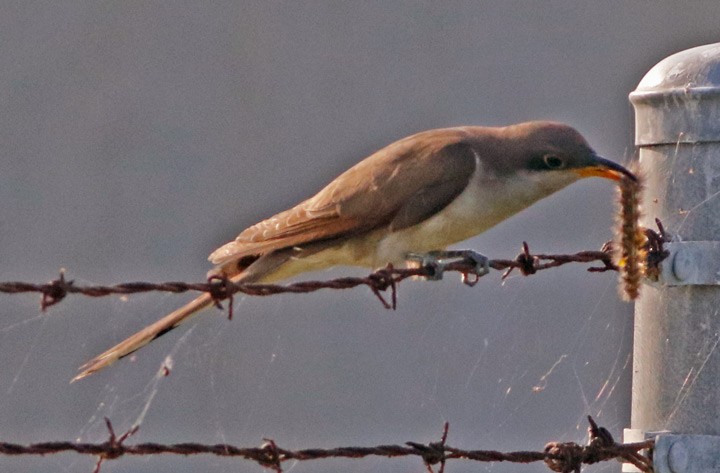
(437, 261)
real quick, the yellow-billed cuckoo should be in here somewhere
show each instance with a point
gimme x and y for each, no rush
(415, 196)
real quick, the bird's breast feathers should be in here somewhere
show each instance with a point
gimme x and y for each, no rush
(487, 201)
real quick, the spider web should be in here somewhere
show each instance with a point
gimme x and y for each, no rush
(307, 371)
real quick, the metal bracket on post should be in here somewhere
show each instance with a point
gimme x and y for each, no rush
(637, 435)
(691, 263)
(686, 454)
(675, 453)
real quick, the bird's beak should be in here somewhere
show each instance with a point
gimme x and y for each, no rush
(601, 167)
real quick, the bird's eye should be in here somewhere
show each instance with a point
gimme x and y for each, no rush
(553, 162)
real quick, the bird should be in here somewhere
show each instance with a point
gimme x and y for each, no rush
(416, 196)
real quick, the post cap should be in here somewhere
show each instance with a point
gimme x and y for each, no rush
(678, 100)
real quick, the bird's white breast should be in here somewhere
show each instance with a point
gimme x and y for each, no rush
(483, 204)
(486, 201)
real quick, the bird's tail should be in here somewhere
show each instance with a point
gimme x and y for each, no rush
(147, 335)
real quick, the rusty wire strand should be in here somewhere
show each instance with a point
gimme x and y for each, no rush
(561, 457)
(378, 281)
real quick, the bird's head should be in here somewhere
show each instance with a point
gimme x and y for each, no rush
(559, 152)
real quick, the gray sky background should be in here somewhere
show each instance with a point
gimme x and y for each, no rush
(136, 137)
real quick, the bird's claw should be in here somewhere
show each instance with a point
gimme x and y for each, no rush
(427, 261)
(481, 267)
(438, 261)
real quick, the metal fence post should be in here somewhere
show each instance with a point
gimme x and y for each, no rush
(676, 373)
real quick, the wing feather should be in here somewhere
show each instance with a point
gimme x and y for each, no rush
(400, 185)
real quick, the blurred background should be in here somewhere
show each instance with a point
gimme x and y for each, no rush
(136, 137)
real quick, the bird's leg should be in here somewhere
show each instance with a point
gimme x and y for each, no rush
(437, 261)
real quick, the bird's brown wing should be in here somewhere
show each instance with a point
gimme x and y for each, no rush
(400, 186)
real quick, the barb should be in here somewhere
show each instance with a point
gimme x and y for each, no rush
(379, 282)
(114, 444)
(560, 457)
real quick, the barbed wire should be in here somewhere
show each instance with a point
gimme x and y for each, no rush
(560, 457)
(379, 281)
(565, 457)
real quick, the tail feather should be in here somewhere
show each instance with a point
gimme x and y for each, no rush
(264, 268)
(146, 335)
